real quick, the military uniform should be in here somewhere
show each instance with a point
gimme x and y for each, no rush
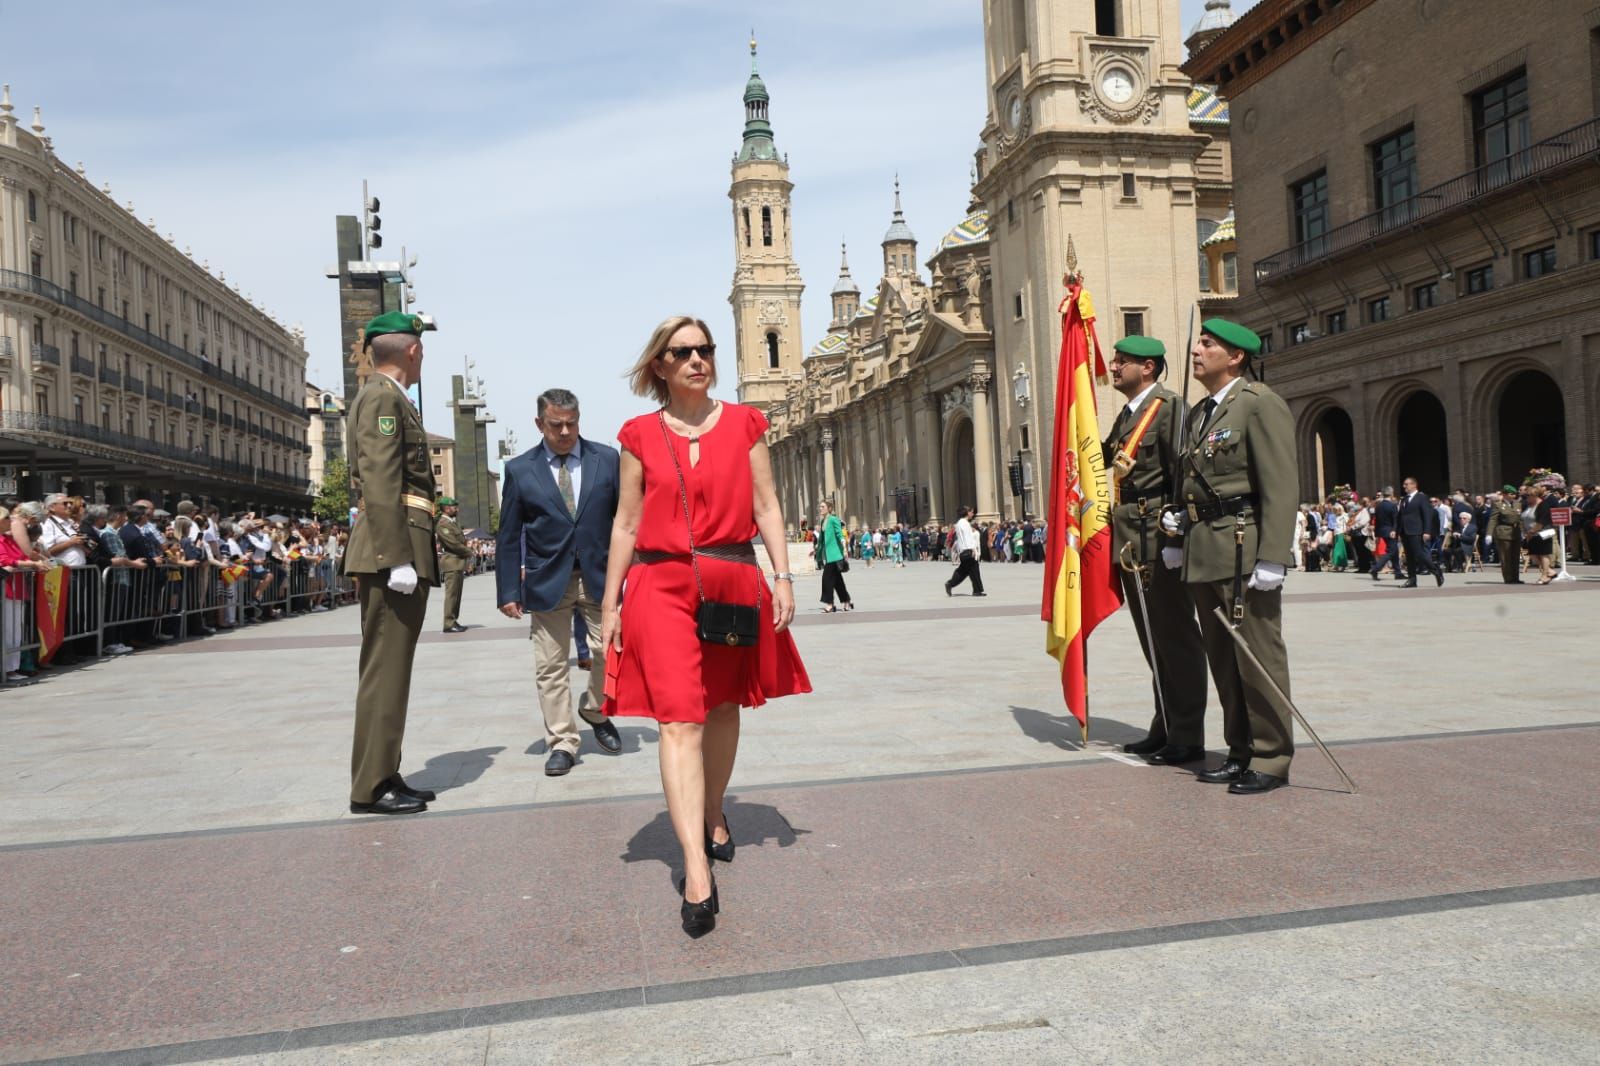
(393, 480)
(1240, 475)
(1177, 662)
(455, 559)
(1505, 529)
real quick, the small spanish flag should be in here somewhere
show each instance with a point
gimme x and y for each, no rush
(233, 573)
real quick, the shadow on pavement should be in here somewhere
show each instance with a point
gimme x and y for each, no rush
(634, 738)
(752, 825)
(1061, 730)
(454, 769)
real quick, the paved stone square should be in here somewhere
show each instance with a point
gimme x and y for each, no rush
(931, 865)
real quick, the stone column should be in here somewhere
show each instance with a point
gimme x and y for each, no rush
(928, 440)
(983, 443)
(830, 483)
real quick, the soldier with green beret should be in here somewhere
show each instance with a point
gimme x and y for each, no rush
(391, 554)
(1505, 529)
(455, 557)
(1236, 515)
(1142, 453)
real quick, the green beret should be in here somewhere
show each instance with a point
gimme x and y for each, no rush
(1508, 488)
(446, 501)
(1142, 347)
(1232, 333)
(392, 322)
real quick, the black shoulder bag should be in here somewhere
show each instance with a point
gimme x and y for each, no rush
(733, 625)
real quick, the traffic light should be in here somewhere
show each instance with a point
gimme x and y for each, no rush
(374, 223)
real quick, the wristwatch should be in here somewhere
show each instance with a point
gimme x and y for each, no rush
(785, 576)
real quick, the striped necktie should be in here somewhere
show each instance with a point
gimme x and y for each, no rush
(564, 480)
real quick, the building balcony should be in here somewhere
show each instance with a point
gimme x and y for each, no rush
(1573, 147)
(72, 436)
(134, 384)
(226, 420)
(109, 376)
(81, 366)
(8, 352)
(17, 281)
(210, 414)
(45, 355)
(155, 393)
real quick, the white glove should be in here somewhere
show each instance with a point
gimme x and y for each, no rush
(1172, 557)
(1267, 576)
(1169, 522)
(403, 579)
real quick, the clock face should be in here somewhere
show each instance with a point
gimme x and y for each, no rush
(1117, 85)
(1014, 113)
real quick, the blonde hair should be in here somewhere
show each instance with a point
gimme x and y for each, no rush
(642, 377)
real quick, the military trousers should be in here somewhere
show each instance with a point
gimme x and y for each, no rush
(391, 622)
(1178, 660)
(452, 581)
(1257, 724)
(551, 632)
(1510, 553)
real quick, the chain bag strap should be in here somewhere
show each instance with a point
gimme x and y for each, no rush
(734, 625)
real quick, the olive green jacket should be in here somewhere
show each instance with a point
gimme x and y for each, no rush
(454, 553)
(1154, 465)
(1246, 449)
(393, 481)
(1505, 521)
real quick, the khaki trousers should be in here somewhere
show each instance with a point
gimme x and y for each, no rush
(390, 626)
(551, 632)
(452, 580)
(1258, 726)
(1179, 666)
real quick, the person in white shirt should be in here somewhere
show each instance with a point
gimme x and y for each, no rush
(59, 536)
(966, 549)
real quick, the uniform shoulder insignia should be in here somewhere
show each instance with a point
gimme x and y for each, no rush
(387, 425)
(1252, 387)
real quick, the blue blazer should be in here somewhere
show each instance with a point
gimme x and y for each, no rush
(535, 527)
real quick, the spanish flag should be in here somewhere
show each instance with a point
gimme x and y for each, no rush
(50, 610)
(233, 572)
(1080, 585)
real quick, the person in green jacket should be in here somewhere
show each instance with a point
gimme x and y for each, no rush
(830, 556)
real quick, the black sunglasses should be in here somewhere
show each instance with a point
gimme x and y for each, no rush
(707, 352)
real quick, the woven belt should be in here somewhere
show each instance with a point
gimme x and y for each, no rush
(1206, 511)
(732, 553)
(421, 503)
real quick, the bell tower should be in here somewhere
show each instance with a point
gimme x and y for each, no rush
(766, 279)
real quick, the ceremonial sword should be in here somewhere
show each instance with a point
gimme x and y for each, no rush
(1125, 559)
(1244, 647)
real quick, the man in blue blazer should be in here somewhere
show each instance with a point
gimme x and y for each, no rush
(1419, 528)
(555, 520)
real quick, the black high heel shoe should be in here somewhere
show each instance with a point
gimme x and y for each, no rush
(699, 918)
(720, 852)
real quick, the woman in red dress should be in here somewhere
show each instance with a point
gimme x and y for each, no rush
(656, 664)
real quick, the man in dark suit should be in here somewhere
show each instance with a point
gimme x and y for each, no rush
(1385, 516)
(559, 498)
(1419, 528)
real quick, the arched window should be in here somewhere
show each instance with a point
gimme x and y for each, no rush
(746, 213)
(772, 350)
(766, 226)
(1230, 272)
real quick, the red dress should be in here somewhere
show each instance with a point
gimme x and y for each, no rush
(665, 671)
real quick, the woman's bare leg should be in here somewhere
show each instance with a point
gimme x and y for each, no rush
(683, 781)
(721, 747)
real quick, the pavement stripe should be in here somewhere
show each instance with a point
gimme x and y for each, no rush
(799, 977)
(435, 813)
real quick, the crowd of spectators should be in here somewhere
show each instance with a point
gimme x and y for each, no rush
(153, 576)
(999, 542)
(1341, 533)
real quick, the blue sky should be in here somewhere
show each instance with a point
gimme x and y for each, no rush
(559, 169)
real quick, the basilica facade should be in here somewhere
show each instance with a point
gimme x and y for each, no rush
(931, 392)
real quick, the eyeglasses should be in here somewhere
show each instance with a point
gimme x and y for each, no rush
(707, 352)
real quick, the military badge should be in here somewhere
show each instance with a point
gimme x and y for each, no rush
(387, 424)
(1218, 436)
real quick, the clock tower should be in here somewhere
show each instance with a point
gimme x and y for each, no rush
(766, 279)
(1087, 152)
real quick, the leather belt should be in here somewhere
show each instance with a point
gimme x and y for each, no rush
(1231, 505)
(421, 503)
(733, 553)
